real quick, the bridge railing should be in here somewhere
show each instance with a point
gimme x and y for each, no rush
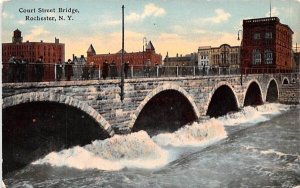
(265, 70)
(33, 72)
(179, 71)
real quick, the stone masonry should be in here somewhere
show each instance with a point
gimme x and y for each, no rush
(101, 98)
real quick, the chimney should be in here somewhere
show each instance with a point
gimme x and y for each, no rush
(56, 40)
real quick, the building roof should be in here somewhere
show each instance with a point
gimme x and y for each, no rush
(188, 57)
(17, 30)
(150, 46)
(120, 51)
(91, 49)
(80, 59)
(268, 20)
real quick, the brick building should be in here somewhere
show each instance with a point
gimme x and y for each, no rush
(135, 58)
(31, 51)
(266, 44)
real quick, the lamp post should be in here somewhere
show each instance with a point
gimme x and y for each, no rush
(144, 44)
(241, 64)
(122, 58)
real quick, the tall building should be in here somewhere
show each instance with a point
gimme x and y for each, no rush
(134, 58)
(224, 56)
(266, 44)
(31, 51)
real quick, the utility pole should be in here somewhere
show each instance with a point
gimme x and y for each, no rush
(122, 61)
(270, 9)
(241, 53)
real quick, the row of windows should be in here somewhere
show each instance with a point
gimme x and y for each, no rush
(23, 47)
(256, 57)
(232, 49)
(204, 63)
(28, 53)
(257, 36)
(204, 57)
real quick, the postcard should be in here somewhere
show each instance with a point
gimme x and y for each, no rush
(161, 93)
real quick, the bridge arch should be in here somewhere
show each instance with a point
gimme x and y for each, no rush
(58, 98)
(253, 94)
(214, 103)
(272, 90)
(164, 90)
(285, 80)
(38, 123)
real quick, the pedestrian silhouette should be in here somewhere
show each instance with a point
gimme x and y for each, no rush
(126, 68)
(59, 70)
(69, 70)
(113, 70)
(39, 69)
(105, 69)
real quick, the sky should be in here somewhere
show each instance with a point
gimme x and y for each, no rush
(173, 26)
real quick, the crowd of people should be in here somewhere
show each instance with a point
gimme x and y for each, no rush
(20, 70)
(69, 70)
(111, 69)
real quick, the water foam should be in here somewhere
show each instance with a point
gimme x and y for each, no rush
(138, 150)
(133, 150)
(197, 134)
(253, 114)
(278, 153)
(2, 184)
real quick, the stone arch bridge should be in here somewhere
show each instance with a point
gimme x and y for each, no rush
(201, 96)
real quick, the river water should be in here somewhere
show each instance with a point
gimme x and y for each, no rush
(255, 147)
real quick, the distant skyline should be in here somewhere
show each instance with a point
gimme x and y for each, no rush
(173, 26)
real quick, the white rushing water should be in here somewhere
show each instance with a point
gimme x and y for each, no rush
(139, 150)
(253, 115)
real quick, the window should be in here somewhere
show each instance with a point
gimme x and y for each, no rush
(268, 57)
(268, 35)
(256, 36)
(256, 57)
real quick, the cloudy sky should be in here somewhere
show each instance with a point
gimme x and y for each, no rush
(173, 26)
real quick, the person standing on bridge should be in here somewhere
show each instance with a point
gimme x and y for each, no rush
(126, 68)
(12, 69)
(22, 69)
(105, 68)
(39, 69)
(92, 70)
(69, 70)
(59, 70)
(113, 70)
